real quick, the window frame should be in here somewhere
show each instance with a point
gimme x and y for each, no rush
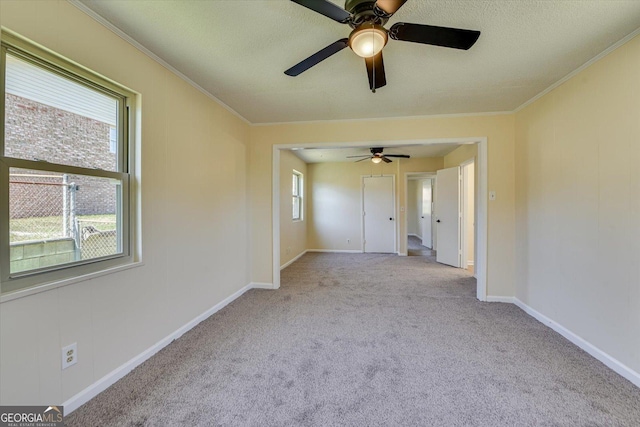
(299, 196)
(38, 56)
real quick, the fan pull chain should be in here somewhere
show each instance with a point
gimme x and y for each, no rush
(373, 62)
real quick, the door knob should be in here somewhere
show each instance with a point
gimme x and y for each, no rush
(390, 219)
(422, 217)
(438, 221)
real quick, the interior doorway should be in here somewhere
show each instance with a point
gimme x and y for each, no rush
(481, 243)
(421, 237)
(426, 212)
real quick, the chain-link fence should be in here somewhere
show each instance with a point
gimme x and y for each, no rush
(39, 207)
(44, 207)
(98, 237)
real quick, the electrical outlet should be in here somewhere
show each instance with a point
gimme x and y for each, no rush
(492, 195)
(69, 355)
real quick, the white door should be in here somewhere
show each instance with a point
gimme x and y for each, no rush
(425, 215)
(448, 216)
(379, 214)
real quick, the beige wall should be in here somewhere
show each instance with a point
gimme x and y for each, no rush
(194, 219)
(462, 154)
(335, 205)
(498, 129)
(336, 200)
(578, 204)
(293, 234)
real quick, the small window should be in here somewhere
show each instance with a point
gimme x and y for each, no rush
(65, 170)
(297, 196)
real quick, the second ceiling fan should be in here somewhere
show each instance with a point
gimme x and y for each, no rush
(377, 156)
(367, 18)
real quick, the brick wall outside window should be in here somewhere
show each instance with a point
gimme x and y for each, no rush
(36, 131)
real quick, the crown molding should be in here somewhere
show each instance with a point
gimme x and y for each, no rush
(380, 119)
(578, 70)
(81, 6)
(117, 31)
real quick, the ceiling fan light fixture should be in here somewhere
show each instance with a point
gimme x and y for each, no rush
(376, 159)
(368, 40)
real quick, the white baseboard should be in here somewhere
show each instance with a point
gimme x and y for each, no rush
(609, 361)
(495, 298)
(261, 285)
(402, 254)
(108, 380)
(345, 251)
(288, 263)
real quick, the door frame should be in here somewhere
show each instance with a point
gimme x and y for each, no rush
(481, 201)
(463, 210)
(395, 209)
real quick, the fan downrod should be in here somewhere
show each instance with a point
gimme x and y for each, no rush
(364, 11)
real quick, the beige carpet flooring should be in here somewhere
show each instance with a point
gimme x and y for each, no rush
(415, 248)
(368, 340)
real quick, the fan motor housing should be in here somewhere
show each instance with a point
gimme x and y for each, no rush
(363, 11)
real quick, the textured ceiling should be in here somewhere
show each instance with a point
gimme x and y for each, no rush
(321, 155)
(237, 51)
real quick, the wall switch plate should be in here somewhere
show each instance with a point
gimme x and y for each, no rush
(69, 355)
(492, 195)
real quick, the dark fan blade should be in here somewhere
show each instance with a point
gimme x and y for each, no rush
(375, 70)
(327, 9)
(353, 157)
(317, 57)
(401, 156)
(389, 7)
(456, 38)
(366, 158)
(384, 158)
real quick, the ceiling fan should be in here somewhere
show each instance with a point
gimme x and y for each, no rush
(377, 156)
(367, 18)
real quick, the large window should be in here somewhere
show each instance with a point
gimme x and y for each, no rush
(297, 195)
(64, 169)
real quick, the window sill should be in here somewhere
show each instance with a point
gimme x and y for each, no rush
(21, 293)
